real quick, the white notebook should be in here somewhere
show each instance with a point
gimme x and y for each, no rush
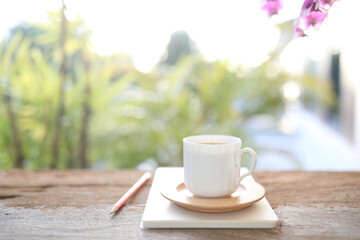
(161, 213)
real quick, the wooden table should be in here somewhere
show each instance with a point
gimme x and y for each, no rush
(76, 203)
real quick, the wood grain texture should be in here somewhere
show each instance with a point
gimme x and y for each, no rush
(75, 205)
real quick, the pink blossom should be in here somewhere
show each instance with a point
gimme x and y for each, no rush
(272, 7)
(308, 4)
(312, 19)
(311, 16)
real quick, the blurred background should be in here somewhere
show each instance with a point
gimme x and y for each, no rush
(118, 84)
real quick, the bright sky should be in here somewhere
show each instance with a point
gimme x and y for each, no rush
(234, 29)
(221, 29)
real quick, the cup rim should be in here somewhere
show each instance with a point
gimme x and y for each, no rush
(234, 140)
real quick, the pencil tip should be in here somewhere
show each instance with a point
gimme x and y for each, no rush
(111, 213)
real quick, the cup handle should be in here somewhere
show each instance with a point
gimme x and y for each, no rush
(253, 165)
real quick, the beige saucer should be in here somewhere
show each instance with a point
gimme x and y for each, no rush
(248, 193)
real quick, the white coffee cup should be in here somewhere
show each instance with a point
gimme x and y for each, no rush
(212, 165)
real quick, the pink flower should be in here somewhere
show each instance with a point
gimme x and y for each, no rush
(308, 4)
(311, 16)
(272, 7)
(312, 19)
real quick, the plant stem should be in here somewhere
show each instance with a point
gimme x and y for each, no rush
(19, 152)
(83, 141)
(61, 104)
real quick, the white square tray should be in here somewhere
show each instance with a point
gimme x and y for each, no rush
(161, 213)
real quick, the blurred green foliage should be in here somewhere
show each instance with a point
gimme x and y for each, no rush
(131, 116)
